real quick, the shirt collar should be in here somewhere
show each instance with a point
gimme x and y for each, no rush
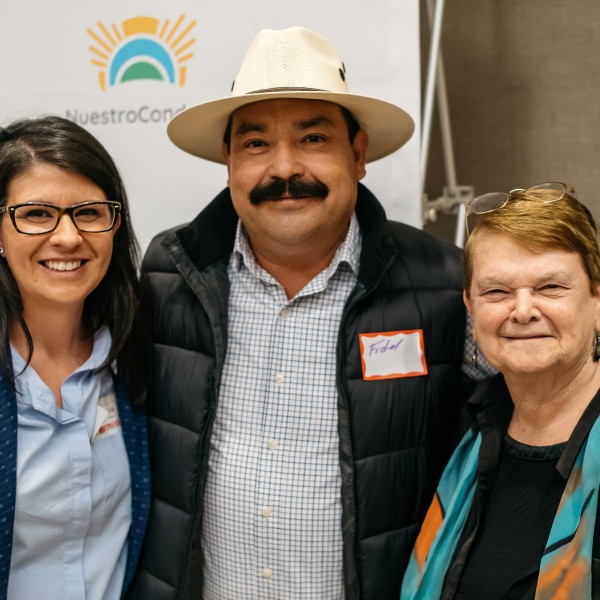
(102, 343)
(578, 437)
(348, 251)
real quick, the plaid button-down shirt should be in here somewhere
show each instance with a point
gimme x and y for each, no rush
(272, 520)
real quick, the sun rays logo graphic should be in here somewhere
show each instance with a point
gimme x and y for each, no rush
(142, 48)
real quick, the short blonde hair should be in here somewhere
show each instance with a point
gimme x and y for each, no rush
(536, 225)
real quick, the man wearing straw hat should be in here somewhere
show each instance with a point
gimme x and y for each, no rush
(307, 357)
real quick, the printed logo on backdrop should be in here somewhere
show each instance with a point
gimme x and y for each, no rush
(142, 48)
(139, 48)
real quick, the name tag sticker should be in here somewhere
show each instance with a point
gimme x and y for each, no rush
(107, 419)
(392, 354)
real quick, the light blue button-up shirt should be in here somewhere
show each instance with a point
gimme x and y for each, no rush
(73, 503)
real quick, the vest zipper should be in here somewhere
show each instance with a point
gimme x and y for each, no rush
(342, 386)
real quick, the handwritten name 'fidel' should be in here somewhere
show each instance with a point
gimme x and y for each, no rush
(383, 346)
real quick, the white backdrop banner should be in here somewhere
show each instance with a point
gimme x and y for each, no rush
(122, 69)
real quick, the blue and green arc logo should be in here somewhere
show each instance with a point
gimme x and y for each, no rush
(142, 48)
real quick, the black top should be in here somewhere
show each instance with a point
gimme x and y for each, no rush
(505, 557)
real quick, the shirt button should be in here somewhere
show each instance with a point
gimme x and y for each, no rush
(266, 511)
(285, 312)
(272, 444)
(266, 573)
(279, 378)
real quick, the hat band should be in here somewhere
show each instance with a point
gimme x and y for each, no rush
(287, 89)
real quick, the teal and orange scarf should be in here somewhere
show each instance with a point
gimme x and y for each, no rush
(565, 569)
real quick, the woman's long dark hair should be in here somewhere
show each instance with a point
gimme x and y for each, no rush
(116, 302)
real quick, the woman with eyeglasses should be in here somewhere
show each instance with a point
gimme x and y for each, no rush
(73, 444)
(515, 512)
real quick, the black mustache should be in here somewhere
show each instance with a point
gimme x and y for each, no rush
(292, 188)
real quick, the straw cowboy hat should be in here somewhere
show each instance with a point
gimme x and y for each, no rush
(291, 63)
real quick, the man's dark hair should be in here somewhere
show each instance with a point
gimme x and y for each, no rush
(353, 127)
(55, 141)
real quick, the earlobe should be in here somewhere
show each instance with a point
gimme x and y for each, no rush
(597, 309)
(226, 155)
(359, 147)
(467, 302)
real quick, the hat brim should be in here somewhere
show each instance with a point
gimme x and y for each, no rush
(199, 129)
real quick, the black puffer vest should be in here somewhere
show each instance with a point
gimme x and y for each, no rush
(393, 432)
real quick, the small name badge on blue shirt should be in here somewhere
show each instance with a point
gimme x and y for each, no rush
(392, 354)
(107, 418)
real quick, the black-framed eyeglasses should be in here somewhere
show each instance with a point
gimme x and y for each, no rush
(36, 218)
(550, 191)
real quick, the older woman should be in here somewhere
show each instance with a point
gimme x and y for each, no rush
(73, 447)
(514, 515)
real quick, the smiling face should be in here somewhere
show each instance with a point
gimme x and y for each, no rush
(63, 267)
(532, 312)
(304, 142)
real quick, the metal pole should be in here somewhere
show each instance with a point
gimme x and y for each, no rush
(448, 149)
(445, 129)
(434, 48)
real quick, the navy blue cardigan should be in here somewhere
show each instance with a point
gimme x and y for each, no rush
(133, 423)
